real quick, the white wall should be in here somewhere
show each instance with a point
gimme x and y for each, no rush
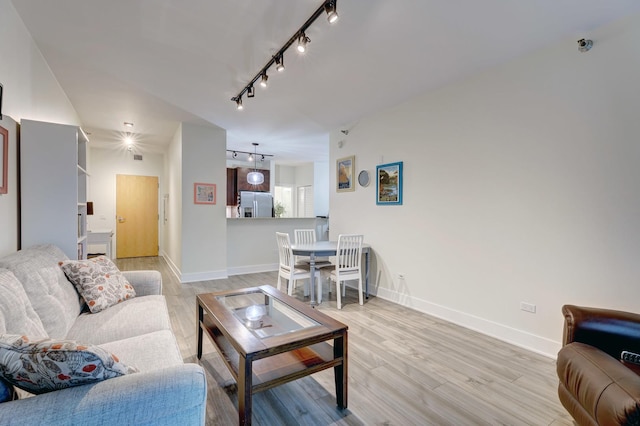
(204, 226)
(521, 184)
(173, 224)
(104, 165)
(30, 91)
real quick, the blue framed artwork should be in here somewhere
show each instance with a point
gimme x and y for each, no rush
(389, 184)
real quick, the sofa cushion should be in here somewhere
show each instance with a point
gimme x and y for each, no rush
(597, 386)
(148, 352)
(99, 282)
(130, 318)
(50, 364)
(52, 296)
(16, 313)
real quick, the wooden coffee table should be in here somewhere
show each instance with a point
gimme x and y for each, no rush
(267, 338)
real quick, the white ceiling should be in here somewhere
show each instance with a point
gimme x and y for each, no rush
(159, 62)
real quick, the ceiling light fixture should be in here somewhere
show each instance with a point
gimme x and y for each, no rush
(303, 40)
(255, 177)
(280, 63)
(328, 7)
(234, 154)
(127, 124)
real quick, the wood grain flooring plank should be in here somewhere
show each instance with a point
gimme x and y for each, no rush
(405, 367)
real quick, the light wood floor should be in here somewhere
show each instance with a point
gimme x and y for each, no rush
(405, 368)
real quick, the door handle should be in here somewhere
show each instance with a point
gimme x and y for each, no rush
(121, 219)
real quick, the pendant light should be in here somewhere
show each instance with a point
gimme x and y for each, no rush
(255, 177)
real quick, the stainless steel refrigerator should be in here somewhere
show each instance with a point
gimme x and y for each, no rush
(256, 204)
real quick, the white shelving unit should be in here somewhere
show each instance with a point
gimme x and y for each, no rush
(54, 180)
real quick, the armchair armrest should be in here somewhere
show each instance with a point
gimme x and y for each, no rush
(145, 282)
(608, 330)
(170, 396)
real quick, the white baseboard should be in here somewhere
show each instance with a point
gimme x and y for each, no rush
(252, 269)
(198, 276)
(523, 339)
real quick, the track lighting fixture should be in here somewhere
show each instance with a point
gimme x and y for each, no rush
(328, 7)
(302, 42)
(234, 153)
(280, 63)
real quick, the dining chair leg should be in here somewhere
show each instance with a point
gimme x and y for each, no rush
(360, 291)
(338, 294)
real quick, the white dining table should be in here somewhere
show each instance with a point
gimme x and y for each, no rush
(324, 249)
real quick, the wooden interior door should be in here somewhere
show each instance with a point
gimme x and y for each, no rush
(136, 216)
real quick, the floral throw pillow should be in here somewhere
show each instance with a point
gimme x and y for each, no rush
(98, 281)
(47, 365)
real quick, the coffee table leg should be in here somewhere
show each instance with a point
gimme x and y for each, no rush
(244, 391)
(340, 371)
(199, 318)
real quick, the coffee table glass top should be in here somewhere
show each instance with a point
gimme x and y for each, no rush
(265, 316)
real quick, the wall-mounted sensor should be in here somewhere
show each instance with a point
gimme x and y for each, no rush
(584, 45)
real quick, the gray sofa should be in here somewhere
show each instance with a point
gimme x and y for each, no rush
(37, 300)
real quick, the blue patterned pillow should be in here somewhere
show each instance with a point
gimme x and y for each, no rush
(47, 365)
(6, 391)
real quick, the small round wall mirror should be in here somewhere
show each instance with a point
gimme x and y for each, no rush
(363, 178)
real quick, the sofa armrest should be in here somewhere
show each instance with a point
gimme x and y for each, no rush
(145, 283)
(170, 396)
(596, 388)
(608, 330)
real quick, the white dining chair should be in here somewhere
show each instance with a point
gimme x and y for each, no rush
(308, 236)
(288, 269)
(348, 265)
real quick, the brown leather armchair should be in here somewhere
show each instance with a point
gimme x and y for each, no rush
(596, 387)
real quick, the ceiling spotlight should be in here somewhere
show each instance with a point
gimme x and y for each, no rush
(239, 102)
(330, 8)
(303, 40)
(584, 45)
(262, 159)
(280, 63)
(235, 154)
(127, 124)
(251, 92)
(263, 80)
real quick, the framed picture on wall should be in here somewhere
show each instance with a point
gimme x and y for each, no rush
(204, 193)
(4, 160)
(345, 168)
(389, 184)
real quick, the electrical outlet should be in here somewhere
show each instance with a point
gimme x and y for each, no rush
(528, 307)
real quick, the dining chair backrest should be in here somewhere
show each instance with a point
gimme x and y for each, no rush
(304, 236)
(349, 252)
(284, 250)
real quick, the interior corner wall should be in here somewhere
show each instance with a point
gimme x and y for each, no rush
(521, 184)
(172, 222)
(204, 226)
(321, 188)
(30, 91)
